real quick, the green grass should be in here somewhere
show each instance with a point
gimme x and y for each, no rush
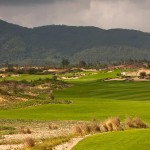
(6, 130)
(92, 98)
(26, 77)
(91, 76)
(125, 140)
(48, 144)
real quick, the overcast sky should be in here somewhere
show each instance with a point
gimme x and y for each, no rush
(131, 14)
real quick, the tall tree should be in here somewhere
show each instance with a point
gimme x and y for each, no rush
(65, 62)
(82, 64)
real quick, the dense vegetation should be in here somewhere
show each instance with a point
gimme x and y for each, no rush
(49, 44)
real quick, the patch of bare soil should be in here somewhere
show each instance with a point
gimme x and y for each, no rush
(115, 79)
(68, 145)
(91, 70)
(137, 72)
(138, 79)
(11, 147)
(39, 130)
(68, 78)
(2, 99)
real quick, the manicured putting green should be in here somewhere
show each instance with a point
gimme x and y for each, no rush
(125, 140)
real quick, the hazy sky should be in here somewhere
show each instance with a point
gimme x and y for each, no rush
(132, 14)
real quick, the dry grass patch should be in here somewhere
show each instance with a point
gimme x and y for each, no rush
(53, 127)
(86, 129)
(134, 123)
(77, 130)
(28, 142)
(49, 144)
(11, 142)
(103, 127)
(110, 124)
(95, 127)
(23, 130)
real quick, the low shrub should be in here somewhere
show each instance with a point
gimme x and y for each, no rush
(28, 142)
(52, 127)
(77, 130)
(28, 131)
(24, 130)
(103, 127)
(95, 127)
(134, 123)
(86, 129)
(111, 124)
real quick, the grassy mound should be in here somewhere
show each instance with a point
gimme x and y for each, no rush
(16, 94)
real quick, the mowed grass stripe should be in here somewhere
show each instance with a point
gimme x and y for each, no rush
(125, 140)
(95, 90)
(91, 99)
(128, 96)
(84, 109)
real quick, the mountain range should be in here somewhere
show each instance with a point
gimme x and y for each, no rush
(49, 44)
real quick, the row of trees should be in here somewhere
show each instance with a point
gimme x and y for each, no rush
(66, 63)
(82, 64)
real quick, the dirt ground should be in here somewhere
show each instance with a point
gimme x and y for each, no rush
(68, 145)
(39, 130)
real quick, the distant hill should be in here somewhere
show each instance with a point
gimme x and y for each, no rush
(49, 44)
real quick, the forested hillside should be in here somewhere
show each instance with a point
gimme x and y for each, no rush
(49, 44)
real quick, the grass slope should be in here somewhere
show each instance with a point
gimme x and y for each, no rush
(126, 140)
(26, 77)
(92, 98)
